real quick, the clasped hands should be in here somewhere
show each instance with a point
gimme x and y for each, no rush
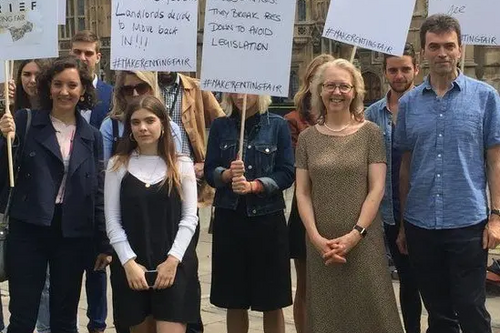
(334, 251)
(235, 175)
(136, 274)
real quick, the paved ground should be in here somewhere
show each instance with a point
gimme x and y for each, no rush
(214, 318)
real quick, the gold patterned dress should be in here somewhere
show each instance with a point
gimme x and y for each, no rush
(356, 297)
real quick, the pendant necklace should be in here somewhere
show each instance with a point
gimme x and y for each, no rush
(147, 183)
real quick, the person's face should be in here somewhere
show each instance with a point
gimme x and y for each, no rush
(133, 87)
(29, 74)
(400, 73)
(337, 91)
(66, 89)
(442, 52)
(86, 52)
(146, 128)
(252, 101)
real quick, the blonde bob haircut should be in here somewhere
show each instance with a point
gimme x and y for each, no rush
(356, 108)
(119, 102)
(227, 105)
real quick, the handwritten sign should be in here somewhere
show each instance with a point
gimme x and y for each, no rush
(28, 29)
(61, 12)
(380, 25)
(247, 46)
(155, 35)
(477, 19)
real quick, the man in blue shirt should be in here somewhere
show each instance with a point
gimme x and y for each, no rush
(448, 129)
(400, 73)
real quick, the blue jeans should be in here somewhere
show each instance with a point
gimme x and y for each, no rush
(96, 285)
(43, 320)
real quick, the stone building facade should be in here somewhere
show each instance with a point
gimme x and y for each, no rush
(481, 62)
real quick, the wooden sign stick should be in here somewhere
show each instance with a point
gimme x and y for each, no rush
(353, 54)
(10, 136)
(242, 129)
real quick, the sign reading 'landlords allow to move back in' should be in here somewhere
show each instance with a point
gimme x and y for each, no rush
(378, 25)
(28, 29)
(478, 19)
(247, 46)
(156, 35)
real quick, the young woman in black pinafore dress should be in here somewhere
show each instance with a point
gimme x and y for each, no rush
(150, 205)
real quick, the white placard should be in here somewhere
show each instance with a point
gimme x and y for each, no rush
(61, 12)
(2, 74)
(154, 35)
(378, 25)
(247, 46)
(28, 29)
(477, 19)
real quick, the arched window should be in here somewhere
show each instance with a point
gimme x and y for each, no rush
(294, 84)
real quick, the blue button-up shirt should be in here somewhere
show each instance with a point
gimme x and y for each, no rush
(448, 137)
(380, 115)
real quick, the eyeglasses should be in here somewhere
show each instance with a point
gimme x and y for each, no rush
(141, 89)
(344, 88)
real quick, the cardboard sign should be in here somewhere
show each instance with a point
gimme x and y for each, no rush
(28, 29)
(247, 46)
(477, 19)
(379, 25)
(154, 35)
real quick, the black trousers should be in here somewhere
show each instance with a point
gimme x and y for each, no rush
(29, 249)
(191, 327)
(409, 296)
(450, 266)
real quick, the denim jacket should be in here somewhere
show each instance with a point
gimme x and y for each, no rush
(380, 115)
(267, 154)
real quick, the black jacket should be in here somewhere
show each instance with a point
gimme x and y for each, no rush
(42, 171)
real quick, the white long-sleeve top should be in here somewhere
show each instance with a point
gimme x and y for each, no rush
(152, 170)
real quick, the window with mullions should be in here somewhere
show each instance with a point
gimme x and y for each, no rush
(75, 18)
(301, 10)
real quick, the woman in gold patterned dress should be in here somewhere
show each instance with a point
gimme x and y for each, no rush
(341, 167)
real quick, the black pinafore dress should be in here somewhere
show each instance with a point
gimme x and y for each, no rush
(150, 218)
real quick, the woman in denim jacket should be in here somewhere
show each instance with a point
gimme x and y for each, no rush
(250, 260)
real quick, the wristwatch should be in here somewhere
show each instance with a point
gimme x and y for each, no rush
(495, 211)
(362, 231)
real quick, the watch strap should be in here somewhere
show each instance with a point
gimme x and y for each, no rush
(362, 231)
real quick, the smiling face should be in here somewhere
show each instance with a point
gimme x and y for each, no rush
(442, 51)
(337, 91)
(146, 128)
(29, 74)
(66, 89)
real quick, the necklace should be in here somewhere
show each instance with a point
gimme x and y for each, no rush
(338, 130)
(147, 183)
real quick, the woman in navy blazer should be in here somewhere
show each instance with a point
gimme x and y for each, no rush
(56, 216)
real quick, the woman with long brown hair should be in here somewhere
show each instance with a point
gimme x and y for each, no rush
(150, 206)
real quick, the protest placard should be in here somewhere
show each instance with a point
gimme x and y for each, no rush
(2, 72)
(28, 29)
(247, 46)
(61, 12)
(476, 19)
(361, 23)
(155, 35)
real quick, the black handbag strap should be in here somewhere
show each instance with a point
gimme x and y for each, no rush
(116, 135)
(19, 154)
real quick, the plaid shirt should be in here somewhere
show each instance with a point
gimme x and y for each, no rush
(169, 94)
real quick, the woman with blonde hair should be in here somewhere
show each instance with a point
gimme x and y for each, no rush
(150, 201)
(299, 120)
(129, 86)
(342, 158)
(250, 259)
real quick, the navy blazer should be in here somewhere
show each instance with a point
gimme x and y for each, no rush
(41, 174)
(104, 94)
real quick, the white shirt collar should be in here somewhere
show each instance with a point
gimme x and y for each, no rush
(94, 81)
